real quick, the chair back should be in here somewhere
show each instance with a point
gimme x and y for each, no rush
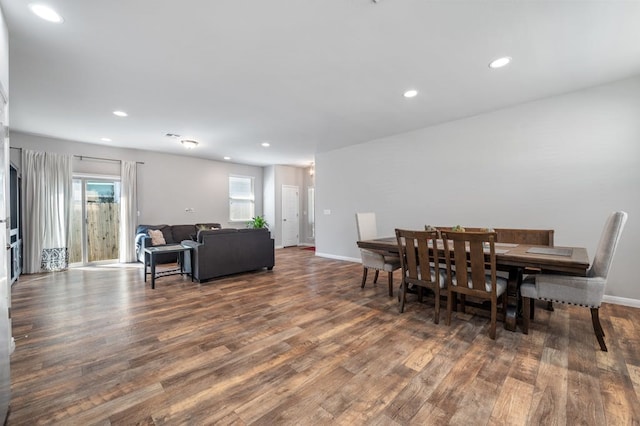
(607, 246)
(538, 237)
(418, 251)
(367, 228)
(469, 249)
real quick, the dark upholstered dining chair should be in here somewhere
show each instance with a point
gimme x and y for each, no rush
(582, 291)
(367, 230)
(479, 279)
(418, 265)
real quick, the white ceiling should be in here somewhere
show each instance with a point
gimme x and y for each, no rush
(306, 75)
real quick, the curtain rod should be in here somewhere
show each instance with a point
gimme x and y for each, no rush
(82, 157)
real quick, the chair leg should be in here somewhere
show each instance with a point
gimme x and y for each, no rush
(597, 328)
(436, 317)
(526, 308)
(390, 284)
(494, 317)
(402, 295)
(375, 277)
(532, 306)
(364, 276)
(449, 306)
(463, 302)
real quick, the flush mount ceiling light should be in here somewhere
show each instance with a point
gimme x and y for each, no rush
(188, 143)
(46, 13)
(410, 93)
(500, 62)
(120, 113)
(265, 144)
(105, 139)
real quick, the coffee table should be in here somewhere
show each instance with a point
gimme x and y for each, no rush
(150, 261)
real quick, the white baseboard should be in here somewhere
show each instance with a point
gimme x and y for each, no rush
(333, 256)
(634, 303)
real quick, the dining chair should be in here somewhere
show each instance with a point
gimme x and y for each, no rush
(585, 291)
(371, 259)
(418, 259)
(538, 237)
(479, 279)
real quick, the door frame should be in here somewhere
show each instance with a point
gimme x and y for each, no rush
(83, 177)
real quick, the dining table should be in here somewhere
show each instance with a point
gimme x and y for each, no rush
(514, 259)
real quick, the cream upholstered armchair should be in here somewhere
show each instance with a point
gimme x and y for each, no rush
(367, 230)
(583, 291)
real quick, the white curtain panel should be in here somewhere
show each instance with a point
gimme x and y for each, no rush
(128, 211)
(48, 191)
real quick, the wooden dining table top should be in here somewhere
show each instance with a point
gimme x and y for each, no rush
(558, 259)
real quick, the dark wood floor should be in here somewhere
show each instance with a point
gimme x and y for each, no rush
(302, 344)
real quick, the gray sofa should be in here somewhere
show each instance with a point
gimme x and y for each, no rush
(173, 234)
(230, 251)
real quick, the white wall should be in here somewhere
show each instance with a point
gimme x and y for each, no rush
(4, 53)
(564, 163)
(269, 197)
(167, 184)
(306, 231)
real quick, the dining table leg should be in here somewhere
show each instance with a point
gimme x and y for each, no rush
(513, 296)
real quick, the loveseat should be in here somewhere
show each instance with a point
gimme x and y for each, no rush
(173, 234)
(217, 253)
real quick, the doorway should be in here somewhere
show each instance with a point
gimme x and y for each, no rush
(95, 221)
(6, 341)
(290, 214)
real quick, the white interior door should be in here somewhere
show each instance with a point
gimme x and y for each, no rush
(290, 215)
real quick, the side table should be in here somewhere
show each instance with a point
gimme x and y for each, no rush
(150, 261)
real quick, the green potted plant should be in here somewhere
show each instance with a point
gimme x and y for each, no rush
(257, 223)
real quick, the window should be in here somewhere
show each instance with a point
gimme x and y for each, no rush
(241, 198)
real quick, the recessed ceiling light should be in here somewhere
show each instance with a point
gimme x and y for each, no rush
(105, 139)
(120, 113)
(189, 144)
(411, 93)
(227, 158)
(172, 135)
(46, 13)
(500, 62)
(265, 144)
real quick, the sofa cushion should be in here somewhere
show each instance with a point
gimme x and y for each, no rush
(182, 232)
(203, 226)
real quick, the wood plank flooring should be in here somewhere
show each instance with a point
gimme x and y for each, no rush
(302, 344)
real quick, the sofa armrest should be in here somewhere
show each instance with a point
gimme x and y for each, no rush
(142, 241)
